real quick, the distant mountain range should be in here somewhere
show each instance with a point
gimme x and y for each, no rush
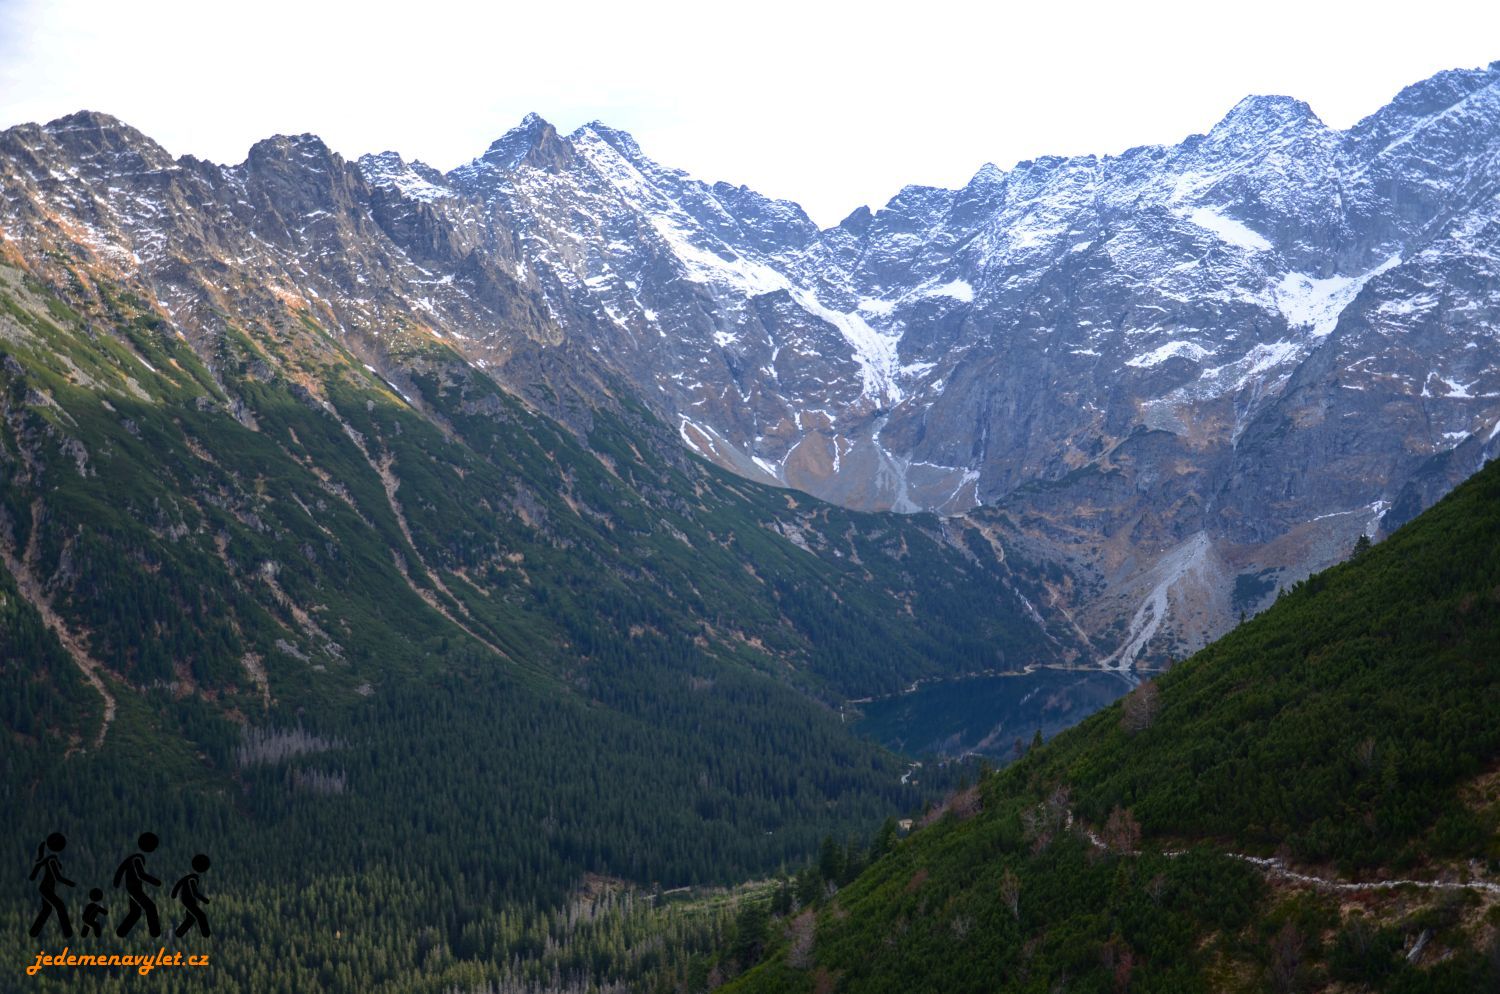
(381, 526)
(1174, 380)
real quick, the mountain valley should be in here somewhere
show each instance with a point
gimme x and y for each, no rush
(553, 552)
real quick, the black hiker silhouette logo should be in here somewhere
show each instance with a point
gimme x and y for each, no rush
(186, 890)
(50, 867)
(93, 913)
(133, 873)
(133, 878)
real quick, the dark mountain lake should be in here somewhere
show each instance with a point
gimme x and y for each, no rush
(985, 715)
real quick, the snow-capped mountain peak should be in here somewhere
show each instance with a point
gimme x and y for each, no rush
(1238, 344)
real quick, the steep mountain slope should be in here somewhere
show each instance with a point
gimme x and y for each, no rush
(1310, 803)
(357, 495)
(1182, 375)
(1243, 350)
(307, 616)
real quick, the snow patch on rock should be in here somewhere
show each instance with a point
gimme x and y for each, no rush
(1309, 302)
(1236, 233)
(1160, 354)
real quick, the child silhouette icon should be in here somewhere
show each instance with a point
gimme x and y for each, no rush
(93, 914)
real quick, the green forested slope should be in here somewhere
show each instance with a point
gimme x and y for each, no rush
(1352, 731)
(410, 667)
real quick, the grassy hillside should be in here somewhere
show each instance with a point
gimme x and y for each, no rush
(390, 638)
(1350, 735)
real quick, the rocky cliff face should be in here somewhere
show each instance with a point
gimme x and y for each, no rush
(1172, 379)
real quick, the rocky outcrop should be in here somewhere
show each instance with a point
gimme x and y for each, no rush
(1178, 377)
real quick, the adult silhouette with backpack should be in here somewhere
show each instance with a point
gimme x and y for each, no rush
(133, 872)
(50, 867)
(186, 891)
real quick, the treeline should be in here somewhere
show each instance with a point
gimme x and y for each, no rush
(1349, 729)
(409, 793)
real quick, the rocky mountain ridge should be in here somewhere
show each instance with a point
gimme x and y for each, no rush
(1175, 379)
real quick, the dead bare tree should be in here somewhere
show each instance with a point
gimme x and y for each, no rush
(1141, 707)
(1286, 959)
(1122, 833)
(803, 934)
(1010, 892)
(1042, 822)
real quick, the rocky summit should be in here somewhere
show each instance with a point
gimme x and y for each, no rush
(1165, 383)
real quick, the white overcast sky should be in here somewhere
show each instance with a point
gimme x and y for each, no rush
(830, 104)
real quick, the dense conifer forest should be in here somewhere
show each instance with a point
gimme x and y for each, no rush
(461, 699)
(418, 667)
(1310, 803)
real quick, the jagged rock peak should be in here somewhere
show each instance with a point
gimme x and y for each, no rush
(86, 132)
(88, 120)
(533, 142)
(858, 221)
(1262, 113)
(988, 174)
(1472, 91)
(300, 174)
(306, 148)
(1443, 90)
(416, 179)
(621, 141)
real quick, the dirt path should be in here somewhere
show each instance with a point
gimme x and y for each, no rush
(391, 483)
(1275, 866)
(256, 668)
(31, 588)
